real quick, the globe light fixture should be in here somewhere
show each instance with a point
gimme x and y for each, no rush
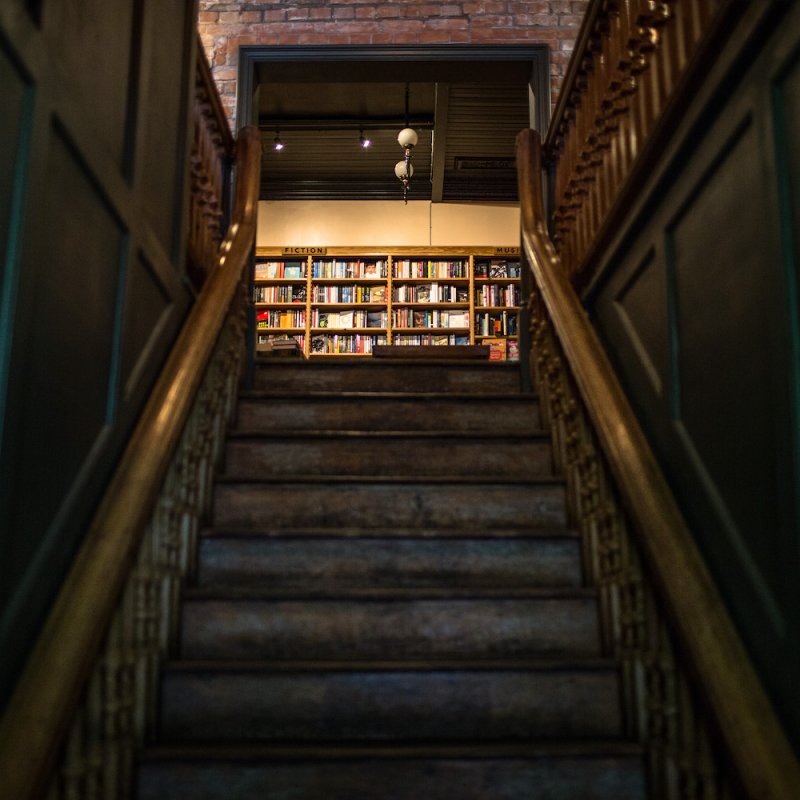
(407, 139)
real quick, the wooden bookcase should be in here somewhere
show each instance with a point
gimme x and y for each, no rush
(338, 301)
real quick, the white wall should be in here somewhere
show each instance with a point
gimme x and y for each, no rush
(383, 223)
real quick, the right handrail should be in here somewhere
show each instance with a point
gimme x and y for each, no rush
(721, 674)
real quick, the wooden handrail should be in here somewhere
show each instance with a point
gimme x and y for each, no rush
(764, 762)
(49, 689)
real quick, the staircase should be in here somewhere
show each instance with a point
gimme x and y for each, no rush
(389, 604)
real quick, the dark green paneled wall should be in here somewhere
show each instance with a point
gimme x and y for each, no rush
(93, 175)
(698, 304)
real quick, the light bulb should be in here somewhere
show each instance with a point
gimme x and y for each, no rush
(400, 170)
(407, 137)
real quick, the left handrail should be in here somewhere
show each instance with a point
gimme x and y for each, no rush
(49, 689)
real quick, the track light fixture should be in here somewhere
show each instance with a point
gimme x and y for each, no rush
(277, 143)
(364, 141)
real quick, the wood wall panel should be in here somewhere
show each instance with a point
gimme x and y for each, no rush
(641, 308)
(95, 70)
(13, 121)
(161, 150)
(719, 222)
(89, 264)
(147, 316)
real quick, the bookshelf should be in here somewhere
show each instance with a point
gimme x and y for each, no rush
(344, 301)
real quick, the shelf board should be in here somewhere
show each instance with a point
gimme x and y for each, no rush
(338, 306)
(274, 331)
(437, 304)
(367, 331)
(349, 281)
(276, 304)
(480, 309)
(259, 281)
(483, 279)
(439, 331)
(430, 280)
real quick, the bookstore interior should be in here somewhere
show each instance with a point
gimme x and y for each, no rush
(389, 229)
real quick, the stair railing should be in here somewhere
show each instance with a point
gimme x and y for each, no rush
(86, 700)
(620, 98)
(692, 697)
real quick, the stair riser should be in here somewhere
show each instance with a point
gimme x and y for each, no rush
(377, 414)
(373, 377)
(396, 705)
(407, 456)
(395, 630)
(363, 562)
(387, 505)
(545, 778)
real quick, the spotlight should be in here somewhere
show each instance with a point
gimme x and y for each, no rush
(278, 144)
(364, 141)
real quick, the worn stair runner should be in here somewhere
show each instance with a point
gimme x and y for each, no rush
(389, 604)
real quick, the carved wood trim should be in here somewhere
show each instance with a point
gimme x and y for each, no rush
(631, 67)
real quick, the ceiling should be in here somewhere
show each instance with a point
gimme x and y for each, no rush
(467, 115)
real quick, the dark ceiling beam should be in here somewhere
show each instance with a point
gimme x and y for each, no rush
(341, 123)
(442, 95)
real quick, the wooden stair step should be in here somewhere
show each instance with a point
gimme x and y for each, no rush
(349, 558)
(372, 701)
(386, 453)
(391, 624)
(398, 376)
(465, 771)
(272, 411)
(365, 501)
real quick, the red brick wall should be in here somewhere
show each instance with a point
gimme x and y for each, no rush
(225, 26)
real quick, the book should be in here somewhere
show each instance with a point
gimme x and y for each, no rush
(498, 269)
(293, 270)
(512, 350)
(497, 349)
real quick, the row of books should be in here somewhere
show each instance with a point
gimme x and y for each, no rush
(378, 269)
(280, 294)
(502, 349)
(503, 323)
(430, 293)
(415, 268)
(348, 319)
(494, 294)
(349, 269)
(436, 318)
(344, 343)
(269, 342)
(432, 340)
(497, 268)
(271, 270)
(281, 319)
(348, 294)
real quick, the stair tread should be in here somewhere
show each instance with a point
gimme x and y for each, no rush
(292, 394)
(393, 534)
(403, 435)
(301, 751)
(540, 664)
(443, 480)
(401, 594)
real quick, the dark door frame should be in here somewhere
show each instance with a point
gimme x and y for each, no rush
(250, 56)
